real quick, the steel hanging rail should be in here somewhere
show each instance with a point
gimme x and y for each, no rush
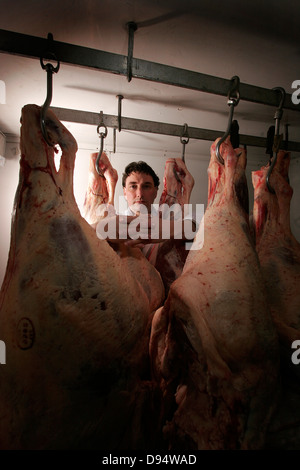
(35, 47)
(88, 117)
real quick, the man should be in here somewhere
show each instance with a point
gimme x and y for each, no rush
(141, 223)
(140, 185)
(164, 249)
(167, 251)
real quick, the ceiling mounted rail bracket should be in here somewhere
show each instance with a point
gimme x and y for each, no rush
(277, 136)
(233, 99)
(132, 27)
(50, 69)
(120, 97)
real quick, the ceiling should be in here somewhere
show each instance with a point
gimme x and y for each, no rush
(258, 41)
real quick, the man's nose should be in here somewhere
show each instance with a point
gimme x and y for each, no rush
(139, 192)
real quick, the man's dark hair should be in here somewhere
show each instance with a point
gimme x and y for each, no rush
(139, 167)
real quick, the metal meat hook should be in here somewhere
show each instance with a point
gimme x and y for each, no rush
(102, 136)
(50, 69)
(277, 137)
(184, 139)
(233, 99)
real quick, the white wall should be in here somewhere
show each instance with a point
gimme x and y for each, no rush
(197, 164)
(9, 176)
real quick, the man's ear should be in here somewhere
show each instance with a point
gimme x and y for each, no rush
(124, 192)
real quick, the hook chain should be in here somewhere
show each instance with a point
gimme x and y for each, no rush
(132, 27)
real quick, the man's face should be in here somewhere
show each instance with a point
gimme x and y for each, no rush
(139, 189)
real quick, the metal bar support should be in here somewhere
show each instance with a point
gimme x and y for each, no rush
(31, 46)
(88, 117)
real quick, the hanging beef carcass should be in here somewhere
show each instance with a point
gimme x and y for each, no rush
(178, 183)
(279, 255)
(100, 193)
(169, 256)
(74, 321)
(99, 206)
(213, 345)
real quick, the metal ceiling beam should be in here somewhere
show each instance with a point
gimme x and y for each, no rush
(36, 47)
(87, 117)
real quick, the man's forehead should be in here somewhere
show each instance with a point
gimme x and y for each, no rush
(137, 177)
